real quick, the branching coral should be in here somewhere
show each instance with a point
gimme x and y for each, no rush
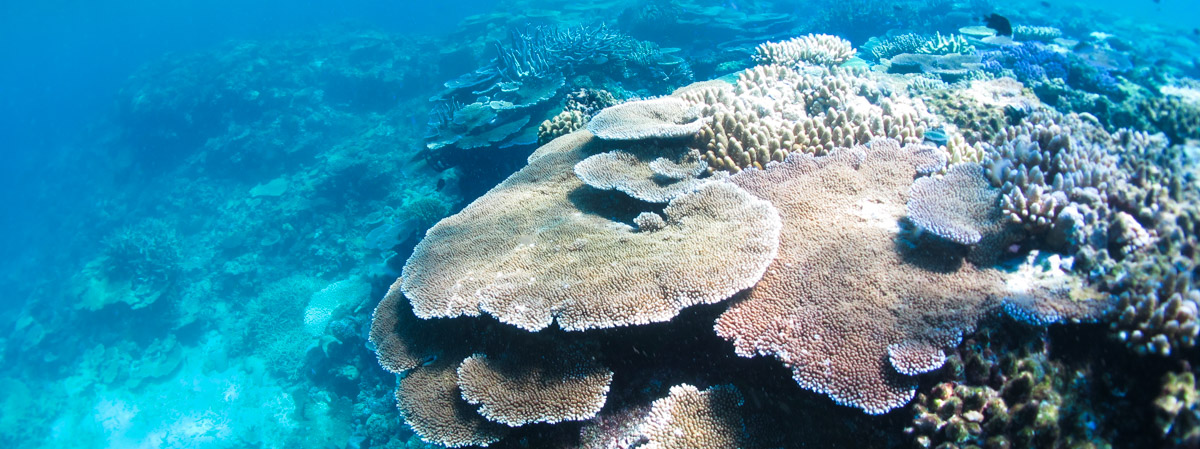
(1048, 161)
(137, 265)
(940, 45)
(775, 110)
(1178, 409)
(815, 49)
(491, 106)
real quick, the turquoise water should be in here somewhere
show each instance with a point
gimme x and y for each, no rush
(884, 225)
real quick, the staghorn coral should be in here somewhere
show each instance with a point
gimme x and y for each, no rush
(535, 386)
(815, 49)
(659, 118)
(775, 110)
(690, 418)
(491, 106)
(642, 173)
(584, 270)
(829, 284)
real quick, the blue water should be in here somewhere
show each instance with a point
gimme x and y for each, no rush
(204, 200)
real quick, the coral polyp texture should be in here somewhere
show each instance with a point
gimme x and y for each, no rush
(659, 118)
(960, 206)
(853, 313)
(583, 270)
(643, 174)
(429, 401)
(689, 418)
(516, 389)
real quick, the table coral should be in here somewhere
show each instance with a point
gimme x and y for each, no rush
(840, 300)
(690, 418)
(584, 270)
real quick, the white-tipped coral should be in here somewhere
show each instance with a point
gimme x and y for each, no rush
(816, 49)
(690, 418)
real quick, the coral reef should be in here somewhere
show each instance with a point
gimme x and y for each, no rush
(960, 206)
(660, 118)
(137, 265)
(905, 225)
(939, 45)
(1036, 33)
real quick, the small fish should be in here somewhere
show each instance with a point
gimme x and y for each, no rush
(999, 23)
(441, 183)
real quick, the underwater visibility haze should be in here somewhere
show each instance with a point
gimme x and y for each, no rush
(614, 224)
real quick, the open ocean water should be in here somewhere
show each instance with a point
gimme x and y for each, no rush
(612, 224)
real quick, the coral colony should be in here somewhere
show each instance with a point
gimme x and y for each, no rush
(665, 225)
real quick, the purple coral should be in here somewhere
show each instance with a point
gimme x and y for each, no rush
(1028, 62)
